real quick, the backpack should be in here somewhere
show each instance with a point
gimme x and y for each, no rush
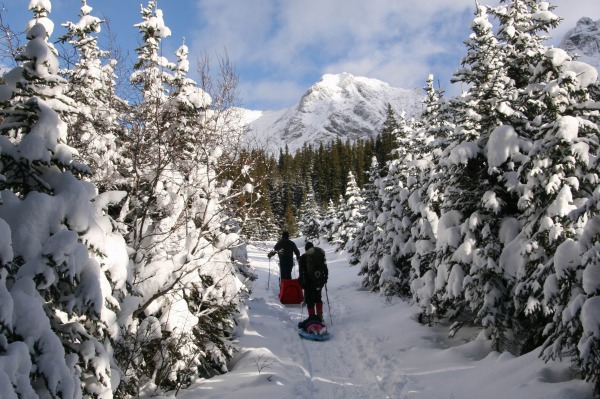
(316, 267)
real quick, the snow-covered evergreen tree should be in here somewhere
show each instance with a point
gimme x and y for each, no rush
(310, 216)
(560, 176)
(96, 130)
(522, 28)
(330, 222)
(522, 31)
(364, 235)
(477, 169)
(184, 289)
(351, 215)
(574, 290)
(475, 198)
(434, 130)
(387, 136)
(391, 244)
(376, 249)
(396, 281)
(59, 259)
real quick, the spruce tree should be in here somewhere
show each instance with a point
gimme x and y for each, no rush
(310, 216)
(65, 262)
(330, 222)
(574, 293)
(183, 288)
(364, 235)
(96, 128)
(558, 177)
(432, 134)
(475, 192)
(351, 214)
(387, 136)
(523, 25)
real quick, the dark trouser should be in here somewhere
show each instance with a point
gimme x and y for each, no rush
(312, 297)
(285, 268)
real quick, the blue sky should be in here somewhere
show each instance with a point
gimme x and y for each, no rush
(281, 47)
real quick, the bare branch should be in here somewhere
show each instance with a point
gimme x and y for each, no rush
(10, 41)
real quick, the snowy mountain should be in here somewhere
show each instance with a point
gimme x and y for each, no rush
(584, 41)
(353, 107)
(341, 105)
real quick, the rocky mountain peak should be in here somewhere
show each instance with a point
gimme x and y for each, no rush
(584, 41)
(337, 106)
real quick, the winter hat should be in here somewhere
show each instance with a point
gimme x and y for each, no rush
(308, 245)
(285, 234)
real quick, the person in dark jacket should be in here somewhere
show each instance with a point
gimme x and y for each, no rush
(286, 249)
(312, 294)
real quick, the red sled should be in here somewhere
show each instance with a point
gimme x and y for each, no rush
(291, 292)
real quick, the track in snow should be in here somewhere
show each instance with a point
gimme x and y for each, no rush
(350, 364)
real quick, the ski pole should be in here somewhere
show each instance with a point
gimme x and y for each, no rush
(328, 306)
(269, 279)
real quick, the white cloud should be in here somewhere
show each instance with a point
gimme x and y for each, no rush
(281, 47)
(272, 93)
(284, 46)
(303, 40)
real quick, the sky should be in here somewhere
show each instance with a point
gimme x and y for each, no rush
(377, 349)
(281, 48)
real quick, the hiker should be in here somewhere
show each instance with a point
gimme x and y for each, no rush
(312, 287)
(286, 249)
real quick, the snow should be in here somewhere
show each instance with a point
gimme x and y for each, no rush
(157, 24)
(6, 252)
(567, 257)
(503, 144)
(462, 153)
(370, 354)
(37, 48)
(36, 327)
(586, 74)
(591, 278)
(448, 233)
(338, 103)
(590, 317)
(557, 56)
(543, 16)
(562, 205)
(39, 4)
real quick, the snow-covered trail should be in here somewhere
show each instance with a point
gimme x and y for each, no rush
(341, 367)
(346, 366)
(377, 350)
(276, 362)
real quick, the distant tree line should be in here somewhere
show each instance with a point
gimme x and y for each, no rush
(283, 180)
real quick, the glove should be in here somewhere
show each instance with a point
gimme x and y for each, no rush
(271, 254)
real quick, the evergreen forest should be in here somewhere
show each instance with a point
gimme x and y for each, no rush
(284, 180)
